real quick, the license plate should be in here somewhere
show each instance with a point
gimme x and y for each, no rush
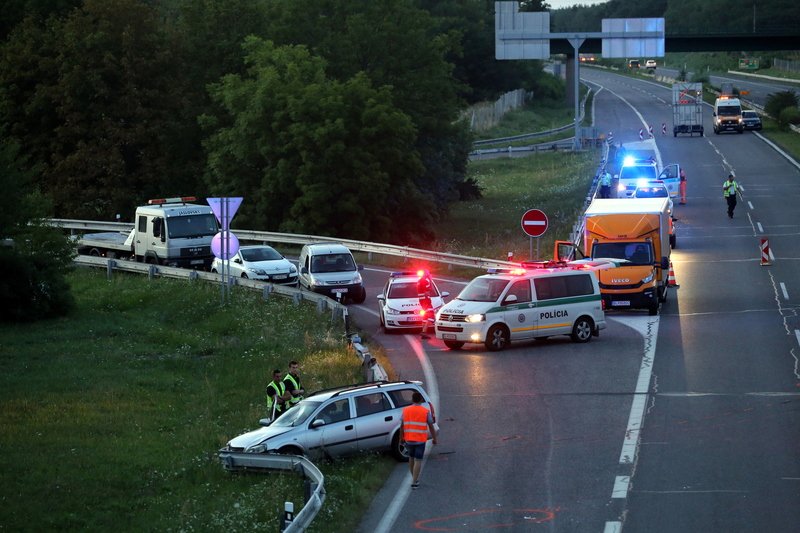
(621, 303)
(338, 291)
(449, 336)
(415, 318)
(280, 276)
(197, 262)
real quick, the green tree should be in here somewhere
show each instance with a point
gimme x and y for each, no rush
(311, 154)
(34, 257)
(97, 100)
(397, 45)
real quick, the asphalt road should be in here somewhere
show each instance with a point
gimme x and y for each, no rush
(685, 422)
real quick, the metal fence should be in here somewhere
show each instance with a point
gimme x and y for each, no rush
(786, 65)
(486, 115)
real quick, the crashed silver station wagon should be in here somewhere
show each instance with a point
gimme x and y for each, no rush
(338, 422)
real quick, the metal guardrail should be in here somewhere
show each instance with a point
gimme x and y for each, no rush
(291, 238)
(236, 461)
(322, 302)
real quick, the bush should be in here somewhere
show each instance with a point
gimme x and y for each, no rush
(790, 115)
(777, 102)
(30, 289)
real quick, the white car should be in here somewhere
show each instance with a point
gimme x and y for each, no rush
(260, 262)
(398, 304)
(650, 63)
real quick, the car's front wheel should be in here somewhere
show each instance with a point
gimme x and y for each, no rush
(497, 338)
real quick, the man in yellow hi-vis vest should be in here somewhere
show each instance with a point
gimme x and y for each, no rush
(295, 390)
(276, 395)
(729, 190)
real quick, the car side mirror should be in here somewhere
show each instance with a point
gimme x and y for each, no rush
(318, 423)
(237, 260)
(445, 294)
(360, 267)
(303, 270)
(511, 298)
(380, 297)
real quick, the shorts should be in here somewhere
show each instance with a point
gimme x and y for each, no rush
(416, 450)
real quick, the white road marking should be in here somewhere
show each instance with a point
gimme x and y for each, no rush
(785, 292)
(621, 484)
(760, 228)
(613, 527)
(750, 204)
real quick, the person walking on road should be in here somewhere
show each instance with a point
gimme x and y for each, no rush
(417, 421)
(729, 190)
(683, 186)
(605, 185)
(294, 389)
(424, 287)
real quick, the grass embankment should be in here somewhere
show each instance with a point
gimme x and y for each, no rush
(112, 416)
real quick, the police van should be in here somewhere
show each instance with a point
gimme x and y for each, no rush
(535, 301)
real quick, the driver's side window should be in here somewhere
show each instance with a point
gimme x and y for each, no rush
(336, 411)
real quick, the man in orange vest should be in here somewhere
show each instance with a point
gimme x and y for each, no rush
(417, 421)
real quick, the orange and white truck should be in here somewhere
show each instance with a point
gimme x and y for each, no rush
(635, 233)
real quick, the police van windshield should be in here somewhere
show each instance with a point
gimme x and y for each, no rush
(192, 226)
(646, 172)
(403, 290)
(638, 253)
(483, 290)
(332, 263)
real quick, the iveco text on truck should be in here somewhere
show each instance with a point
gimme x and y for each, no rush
(635, 232)
(168, 231)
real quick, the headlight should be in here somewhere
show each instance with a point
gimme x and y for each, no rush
(357, 278)
(475, 318)
(258, 448)
(390, 311)
(647, 279)
(292, 269)
(258, 271)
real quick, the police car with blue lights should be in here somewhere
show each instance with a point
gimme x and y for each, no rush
(535, 301)
(399, 305)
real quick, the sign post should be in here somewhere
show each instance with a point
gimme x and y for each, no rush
(534, 224)
(225, 244)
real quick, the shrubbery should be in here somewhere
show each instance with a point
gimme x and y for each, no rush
(779, 102)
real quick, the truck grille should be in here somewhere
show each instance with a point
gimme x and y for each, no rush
(193, 251)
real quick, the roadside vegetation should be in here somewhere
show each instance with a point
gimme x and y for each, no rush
(112, 417)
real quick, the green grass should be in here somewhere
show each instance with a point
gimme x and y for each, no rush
(556, 183)
(112, 416)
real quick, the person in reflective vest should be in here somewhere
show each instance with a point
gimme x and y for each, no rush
(417, 421)
(729, 190)
(683, 186)
(276, 395)
(294, 389)
(605, 185)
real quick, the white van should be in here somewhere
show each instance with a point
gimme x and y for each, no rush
(331, 269)
(728, 114)
(534, 302)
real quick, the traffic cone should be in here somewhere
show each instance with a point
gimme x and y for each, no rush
(672, 282)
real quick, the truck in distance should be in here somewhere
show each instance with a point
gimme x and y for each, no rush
(166, 231)
(687, 108)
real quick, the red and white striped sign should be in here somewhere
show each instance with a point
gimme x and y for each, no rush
(765, 252)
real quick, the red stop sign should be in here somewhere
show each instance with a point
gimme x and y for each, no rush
(534, 222)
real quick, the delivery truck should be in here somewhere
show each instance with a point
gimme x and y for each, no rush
(687, 108)
(635, 234)
(166, 231)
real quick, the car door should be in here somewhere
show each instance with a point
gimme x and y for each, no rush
(236, 265)
(375, 421)
(337, 435)
(671, 178)
(521, 313)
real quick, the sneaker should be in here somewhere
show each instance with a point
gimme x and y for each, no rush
(415, 486)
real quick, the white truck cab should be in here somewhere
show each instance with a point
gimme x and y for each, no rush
(728, 114)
